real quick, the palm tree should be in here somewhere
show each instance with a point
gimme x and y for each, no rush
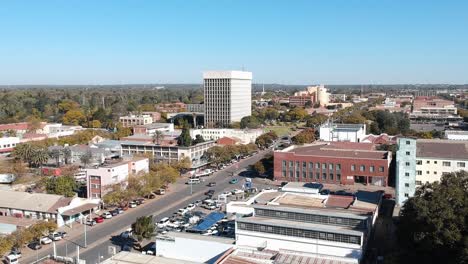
(39, 157)
(24, 152)
(55, 154)
(143, 228)
(66, 154)
(157, 137)
(86, 158)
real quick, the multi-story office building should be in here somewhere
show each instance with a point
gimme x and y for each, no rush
(331, 226)
(228, 97)
(244, 135)
(168, 152)
(333, 162)
(135, 120)
(425, 161)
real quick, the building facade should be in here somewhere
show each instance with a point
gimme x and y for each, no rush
(431, 160)
(228, 97)
(135, 120)
(246, 136)
(342, 132)
(7, 144)
(150, 129)
(333, 162)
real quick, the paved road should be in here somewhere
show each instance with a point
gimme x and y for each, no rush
(98, 236)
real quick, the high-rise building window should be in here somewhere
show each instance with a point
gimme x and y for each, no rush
(407, 174)
(419, 172)
(461, 164)
(419, 162)
(406, 184)
(446, 164)
(407, 153)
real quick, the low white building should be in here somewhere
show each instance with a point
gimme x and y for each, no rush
(57, 130)
(150, 129)
(342, 132)
(42, 206)
(456, 135)
(7, 144)
(245, 135)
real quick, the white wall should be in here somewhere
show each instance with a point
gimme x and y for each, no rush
(314, 246)
(8, 142)
(436, 168)
(138, 166)
(191, 249)
(110, 175)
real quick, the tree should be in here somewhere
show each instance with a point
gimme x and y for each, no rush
(198, 139)
(24, 152)
(259, 168)
(157, 137)
(185, 139)
(143, 228)
(39, 156)
(6, 244)
(86, 158)
(166, 173)
(74, 117)
(266, 139)
(63, 185)
(316, 120)
(304, 137)
(67, 154)
(96, 124)
(250, 122)
(55, 154)
(432, 226)
(297, 114)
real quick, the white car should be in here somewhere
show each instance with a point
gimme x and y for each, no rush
(132, 205)
(236, 191)
(173, 224)
(46, 240)
(190, 207)
(182, 211)
(107, 215)
(55, 236)
(163, 222)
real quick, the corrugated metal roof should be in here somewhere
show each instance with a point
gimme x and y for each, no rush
(39, 202)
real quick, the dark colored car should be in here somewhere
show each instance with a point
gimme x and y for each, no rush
(114, 212)
(210, 192)
(325, 192)
(98, 219)
(35, 245)
(140, 201)
(283, 184)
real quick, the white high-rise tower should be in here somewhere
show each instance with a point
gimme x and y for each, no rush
(228, 97)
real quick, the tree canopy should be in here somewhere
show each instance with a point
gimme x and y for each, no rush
(433, 226)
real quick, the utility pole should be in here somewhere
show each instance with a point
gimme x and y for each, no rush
(85, 235)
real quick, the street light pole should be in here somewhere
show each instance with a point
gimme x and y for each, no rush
(85, 237)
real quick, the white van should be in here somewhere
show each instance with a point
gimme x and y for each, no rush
(163, 222)
(11, 259)
(193, 181)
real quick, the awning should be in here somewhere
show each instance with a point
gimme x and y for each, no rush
(80, 209)
(208, 222)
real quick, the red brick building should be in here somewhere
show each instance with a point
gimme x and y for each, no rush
(334, 163)
(301, 100)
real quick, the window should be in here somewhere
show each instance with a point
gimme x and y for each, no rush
(331, 176)
(330, 166)
(428, 161)
(435, 161)
(317, 165)
(435, 172)
(291, 164)
(419, 162)
(284, 173)
(419, 172)
(371, 168)
(446, 163)
(406, 195)
(353, 167)
(324, 176)
(418, 183)
(362, 168)
(317, 176)
(407, 174)
(304, 165)
(291, 174)
(381, 169)
(304, 174)
(284, 163)
(338, 177)
(406, 184)
(324, 166)
(461, 164)
(427, 172)
(338, 167)
(311, 166)
(407, 153)
(297, 174)
(407, 142)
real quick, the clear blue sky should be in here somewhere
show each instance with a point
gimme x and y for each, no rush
(289, 42)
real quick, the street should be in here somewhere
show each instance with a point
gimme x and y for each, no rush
(98, 237)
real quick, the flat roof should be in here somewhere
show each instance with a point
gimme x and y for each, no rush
(303, 200)
(195, 236)
(444, 149)
(22, 222)
(125, 257)
(79, 209)
(338, 151)
(300, 225)
(155, 125)
(345, 213)
(38, 202)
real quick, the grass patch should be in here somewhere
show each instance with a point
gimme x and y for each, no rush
(279, 130)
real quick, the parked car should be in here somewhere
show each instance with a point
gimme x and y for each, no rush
(236, 191)
(132, 204)
(198, 202)
(211, 184)
(35, 245)
(160, 191)
(16, 252)
(11, 259)
(190, 207)
(55, 236)
(63, 234)
(114, 212)
(325, 192)
(46, 240)
(182, 211)
(127, 234)
(163, 222)
(233, 181)
(106, 215)
(120, 210)
(91, 222)
(209, 192)
(140, 201)
(98, 219)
